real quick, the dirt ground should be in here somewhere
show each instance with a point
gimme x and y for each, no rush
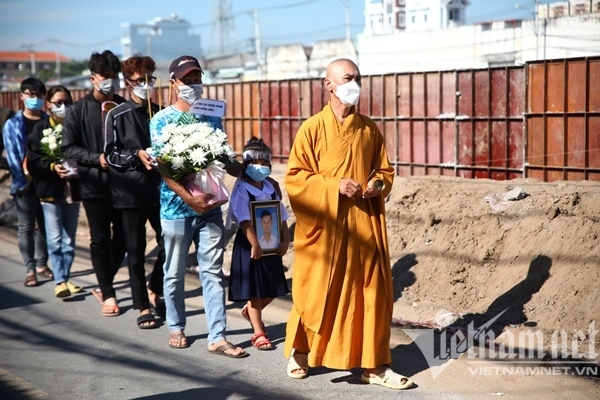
(461, 253)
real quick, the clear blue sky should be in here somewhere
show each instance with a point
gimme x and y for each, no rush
(83, 26)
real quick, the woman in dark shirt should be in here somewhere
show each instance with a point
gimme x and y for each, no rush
(57, 186)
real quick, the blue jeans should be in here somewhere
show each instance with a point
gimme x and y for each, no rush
(206, 231)
(61, 226)
(32, 242)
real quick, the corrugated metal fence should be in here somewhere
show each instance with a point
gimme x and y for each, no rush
(541, 120)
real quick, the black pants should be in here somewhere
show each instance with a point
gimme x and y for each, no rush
(107, 247)
(134, 231)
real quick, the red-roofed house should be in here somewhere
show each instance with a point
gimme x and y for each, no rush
(18, 64)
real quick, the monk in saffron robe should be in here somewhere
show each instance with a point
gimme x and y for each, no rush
(338, 175)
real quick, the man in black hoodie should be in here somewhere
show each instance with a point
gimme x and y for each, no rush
(134, 183)
(83, 141)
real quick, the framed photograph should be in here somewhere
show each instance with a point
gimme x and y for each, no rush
(266, 221)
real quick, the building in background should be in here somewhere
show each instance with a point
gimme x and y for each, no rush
(395, 16)
(163, 39)
(556, 30)
(16, 65)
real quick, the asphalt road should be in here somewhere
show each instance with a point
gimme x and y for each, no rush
(64, 349)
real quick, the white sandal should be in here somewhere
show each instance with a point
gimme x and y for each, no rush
(297, 361)
(388, 379)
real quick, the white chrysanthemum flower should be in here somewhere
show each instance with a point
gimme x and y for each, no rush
(58, 128)
(52, 146)
(176, 162)
(45, 140)
(47, 131)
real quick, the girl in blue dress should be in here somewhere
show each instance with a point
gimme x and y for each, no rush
(256, 278)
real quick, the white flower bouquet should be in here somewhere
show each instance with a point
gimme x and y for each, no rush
(194, 153)
(50, 143)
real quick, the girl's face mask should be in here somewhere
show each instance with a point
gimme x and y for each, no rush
(258, 172)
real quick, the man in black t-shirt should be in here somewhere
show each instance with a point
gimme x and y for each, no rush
(32, 243)
(83, 141)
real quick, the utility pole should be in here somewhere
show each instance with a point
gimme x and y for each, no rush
(57, 54)
(348, 33)
(257, 45)
(31, 57)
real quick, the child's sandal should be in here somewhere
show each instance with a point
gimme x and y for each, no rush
(264, 344)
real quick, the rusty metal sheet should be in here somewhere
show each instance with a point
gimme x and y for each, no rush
(517, 90)
(575, 141)
(375, 98)
(594, 143)
(391, 95)
(418, 142)
(594, 85)
(465, 143)
(555, 81)
(516, 145)
(448, 134)
(536, 88)
(465, 89)
(433, 95)
(482, 93)
(417, 94)
(499, 147)
(433, 143)
(403, 82)
(448, 93)
(555, 142)
(536, 146)
(577, 86)
(499, 106)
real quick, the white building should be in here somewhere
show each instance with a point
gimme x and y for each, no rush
(394, 16)
(163, 39)
(560, 30)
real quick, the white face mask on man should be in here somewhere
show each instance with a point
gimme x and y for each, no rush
(190, 93)
(143, 91)
(348, 93)
(106, 86)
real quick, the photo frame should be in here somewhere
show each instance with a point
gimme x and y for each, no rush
(266, 215)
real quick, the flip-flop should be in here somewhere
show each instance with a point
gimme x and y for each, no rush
(180, 337)
(221, 351)
(146, 318)
(110, 311)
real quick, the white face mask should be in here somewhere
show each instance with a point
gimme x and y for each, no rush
(190, 94)
(348, 93)
(106, 86)
(143, 91)
(59, 112)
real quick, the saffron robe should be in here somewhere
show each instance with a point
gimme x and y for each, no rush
(342, 282)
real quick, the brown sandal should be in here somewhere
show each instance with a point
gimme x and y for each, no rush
(31, 280)
(45, 272)
(177, 340)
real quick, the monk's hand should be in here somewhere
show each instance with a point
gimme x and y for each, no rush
(350, 188)
(256, 252)
(374, 187)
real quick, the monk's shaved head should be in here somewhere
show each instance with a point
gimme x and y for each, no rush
(340, 67)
